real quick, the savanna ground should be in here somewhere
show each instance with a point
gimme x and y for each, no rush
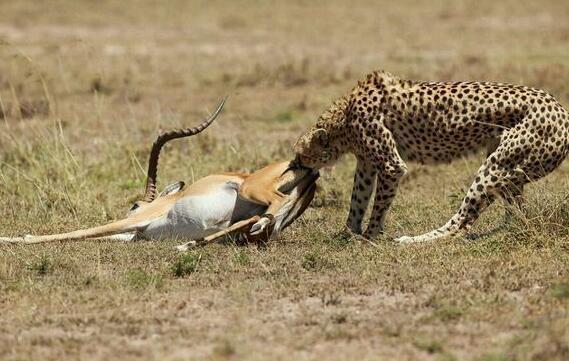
(85, 87)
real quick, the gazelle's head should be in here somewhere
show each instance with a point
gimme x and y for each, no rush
(136, 207)
(295, 175)
(299, 184)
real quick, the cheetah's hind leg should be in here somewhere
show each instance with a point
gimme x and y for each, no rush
(512, 194)
(491, 181)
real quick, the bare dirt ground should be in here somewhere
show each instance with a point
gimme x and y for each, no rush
(85, 87)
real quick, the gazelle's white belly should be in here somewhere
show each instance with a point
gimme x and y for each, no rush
(196, 216)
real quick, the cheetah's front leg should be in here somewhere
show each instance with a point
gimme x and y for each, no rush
(386, 189)
(390, 167)
(364, 181)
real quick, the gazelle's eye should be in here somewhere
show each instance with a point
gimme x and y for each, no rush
(134, 207)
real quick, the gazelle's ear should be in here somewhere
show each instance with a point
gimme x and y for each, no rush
(134, 207)
(172, 188)
(322, 135)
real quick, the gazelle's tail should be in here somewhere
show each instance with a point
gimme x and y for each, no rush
(123, 226)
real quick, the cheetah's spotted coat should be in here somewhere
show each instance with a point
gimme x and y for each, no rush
(385, 120)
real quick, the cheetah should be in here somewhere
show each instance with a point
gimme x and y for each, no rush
(385, 120)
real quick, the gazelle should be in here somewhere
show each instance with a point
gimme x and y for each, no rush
(256, 206)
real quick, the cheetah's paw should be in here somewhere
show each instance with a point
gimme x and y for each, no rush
(405, 240)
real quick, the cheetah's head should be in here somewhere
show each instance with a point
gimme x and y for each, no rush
(315, 150)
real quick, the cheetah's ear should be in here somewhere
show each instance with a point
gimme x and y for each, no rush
(322, 135)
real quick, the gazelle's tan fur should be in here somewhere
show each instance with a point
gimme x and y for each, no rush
(208, 206)
(259, 204)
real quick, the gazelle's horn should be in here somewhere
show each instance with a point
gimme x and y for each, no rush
(163, 138)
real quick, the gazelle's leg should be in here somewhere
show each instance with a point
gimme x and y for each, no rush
(187, 246)
(122, 226)
(276, 201)
(283, 209)
(264, 189)
(123, 237)
(237, 227)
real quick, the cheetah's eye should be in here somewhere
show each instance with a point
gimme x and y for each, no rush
(322, 136)
(323, 140)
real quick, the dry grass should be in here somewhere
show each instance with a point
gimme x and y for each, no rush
(84, 88)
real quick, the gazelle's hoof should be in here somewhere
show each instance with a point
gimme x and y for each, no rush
(187, 246)
(260, 226)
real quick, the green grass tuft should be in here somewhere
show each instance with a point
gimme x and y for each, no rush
(241, 257)
(428, 345)
(560, 290)
(186, 264)
(494, 357)
(139, 279)
(448, 313)
(42, 265)
(309, 261)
